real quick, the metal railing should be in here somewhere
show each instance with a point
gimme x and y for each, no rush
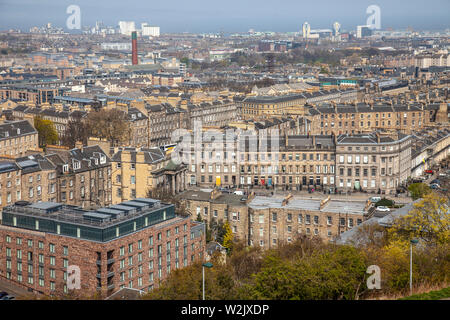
(74, 216)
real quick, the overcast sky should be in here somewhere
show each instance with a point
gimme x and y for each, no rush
(228, 15)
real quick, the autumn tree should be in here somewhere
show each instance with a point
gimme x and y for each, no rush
(429, 220)
(228, 237)
(46, 131)
(111, 125)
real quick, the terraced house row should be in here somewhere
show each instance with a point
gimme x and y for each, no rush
(270, 221)
(363, 118)
(79, 177)
(374, 162)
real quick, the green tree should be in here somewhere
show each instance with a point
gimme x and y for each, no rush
(335, 272)
(186, 284)
(185, 60)
(418, 190)
(46, 131)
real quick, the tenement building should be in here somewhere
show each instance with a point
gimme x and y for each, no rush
(17, 137)
(273, 221)
(270, 221)
(216, 206)
(286, 162)
(211, 114)
(362, 118)
(84, 176)
(163, 120)
(32, 178)
(373, 162)
(135, 244)
(267, 106)
(136, 171)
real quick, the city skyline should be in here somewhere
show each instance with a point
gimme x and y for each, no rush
(202, 16)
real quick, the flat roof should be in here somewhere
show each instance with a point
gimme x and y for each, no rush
(337, 206)
(135, 204)
(97, 215)
(147, 200)
(47, 206)
(122, 208)
(109, 211)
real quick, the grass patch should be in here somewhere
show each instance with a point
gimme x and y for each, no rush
(432, 295)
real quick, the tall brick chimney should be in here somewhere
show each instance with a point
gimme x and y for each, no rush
(134, 56)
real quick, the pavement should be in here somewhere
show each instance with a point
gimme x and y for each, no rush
(13, 290)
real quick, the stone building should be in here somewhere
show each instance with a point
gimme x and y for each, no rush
(271, 221)
(18, 137)
(138, 128)
(257, 107)
(84, 176)
(163, 120)
(217, 206)
(373, 162)
(211, 114)
(361, 118)
(135, 171)
(31, 178)
(286, 162)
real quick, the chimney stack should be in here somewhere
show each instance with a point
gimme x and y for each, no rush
(79, 145)
(134, 56)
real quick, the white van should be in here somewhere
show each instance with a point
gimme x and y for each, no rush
(374, 199)
(239, 193)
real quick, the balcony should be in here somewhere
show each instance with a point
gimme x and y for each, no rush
(109, 261)
(99, 262)
(111, 286)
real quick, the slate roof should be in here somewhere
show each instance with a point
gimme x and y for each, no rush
(85, 157)
(151, 155)
(14, 129)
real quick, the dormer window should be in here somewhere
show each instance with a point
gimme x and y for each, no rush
(102, 159)
(76, 165)
(65, 168)
(18, 130)
(96, 161)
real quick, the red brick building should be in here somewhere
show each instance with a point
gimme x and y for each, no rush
(134, 244)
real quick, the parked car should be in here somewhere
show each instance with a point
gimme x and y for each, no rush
(429, 171)
(3, 293)
(374, 199)
(435, 186)
(239, 192)
(383, 209)
(442, 174)
(435, 181)
(8, 297)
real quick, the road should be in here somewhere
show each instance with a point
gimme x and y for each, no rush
(12, 289)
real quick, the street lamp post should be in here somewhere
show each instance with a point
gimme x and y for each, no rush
(207, 265)
(412, 241)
